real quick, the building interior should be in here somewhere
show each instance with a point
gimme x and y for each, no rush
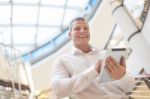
(33, 33)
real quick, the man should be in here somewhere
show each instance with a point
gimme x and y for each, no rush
(75, 73)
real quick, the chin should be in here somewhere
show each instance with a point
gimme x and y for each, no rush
(82, 43)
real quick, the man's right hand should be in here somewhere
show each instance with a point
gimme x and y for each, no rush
(98, 65)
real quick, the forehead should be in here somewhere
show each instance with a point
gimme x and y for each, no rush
(80, 23)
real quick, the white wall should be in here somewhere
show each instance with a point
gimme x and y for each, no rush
(146, 28)
(139, 43)
(140, 58)
(101, 25)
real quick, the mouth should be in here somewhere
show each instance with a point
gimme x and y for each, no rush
(83, 36)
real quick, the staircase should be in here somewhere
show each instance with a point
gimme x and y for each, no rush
(142, 87)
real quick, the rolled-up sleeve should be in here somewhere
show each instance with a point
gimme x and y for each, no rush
(127, 82)
(121, 86)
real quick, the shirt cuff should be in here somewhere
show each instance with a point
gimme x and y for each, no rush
(91, 73)
(125, 78)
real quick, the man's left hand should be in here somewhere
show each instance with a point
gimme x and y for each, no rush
(116, 70)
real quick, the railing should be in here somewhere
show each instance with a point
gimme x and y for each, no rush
(7, 92)
(15, 77)
(142, 87)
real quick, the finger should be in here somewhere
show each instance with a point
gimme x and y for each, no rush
(110, 64)
(112, 68)
(98, 65)
(122, 61)
(108, 68)
(100, 62)
(109, 72)
(116, 64)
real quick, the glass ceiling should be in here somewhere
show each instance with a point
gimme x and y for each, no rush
(28, 24)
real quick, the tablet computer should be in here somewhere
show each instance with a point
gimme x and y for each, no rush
(116, 53)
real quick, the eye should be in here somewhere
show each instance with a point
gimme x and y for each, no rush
(86, 28)
(77, 29)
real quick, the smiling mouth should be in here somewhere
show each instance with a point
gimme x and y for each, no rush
(83, 36)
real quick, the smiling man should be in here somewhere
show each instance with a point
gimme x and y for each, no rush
(75, 73)
(79, 33)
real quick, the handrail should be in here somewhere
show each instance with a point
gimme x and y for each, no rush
(141, 79)
(147, 81)
(6, 83)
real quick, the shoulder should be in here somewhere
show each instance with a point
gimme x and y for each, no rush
(95, 49)
(63, 56)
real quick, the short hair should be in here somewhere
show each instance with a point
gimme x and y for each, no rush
(76, 19)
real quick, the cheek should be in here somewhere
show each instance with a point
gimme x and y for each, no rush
(88, 36)
(75, 35)
(71, 35)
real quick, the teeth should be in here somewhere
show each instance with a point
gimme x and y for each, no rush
(83, 36)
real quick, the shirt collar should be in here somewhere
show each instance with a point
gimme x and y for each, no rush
(75, 50)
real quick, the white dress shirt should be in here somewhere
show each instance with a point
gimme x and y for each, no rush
(74, 75)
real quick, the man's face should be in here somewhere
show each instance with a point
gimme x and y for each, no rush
(80, 32)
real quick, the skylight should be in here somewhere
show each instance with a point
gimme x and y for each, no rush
(28, 24)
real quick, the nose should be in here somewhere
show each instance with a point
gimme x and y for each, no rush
(82, 30)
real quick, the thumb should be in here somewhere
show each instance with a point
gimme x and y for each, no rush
(122, 61)
(98, 65)
(101, 62)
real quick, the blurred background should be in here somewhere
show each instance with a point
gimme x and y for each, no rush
(34, 32)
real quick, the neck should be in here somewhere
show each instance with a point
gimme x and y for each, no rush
(84, 48)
